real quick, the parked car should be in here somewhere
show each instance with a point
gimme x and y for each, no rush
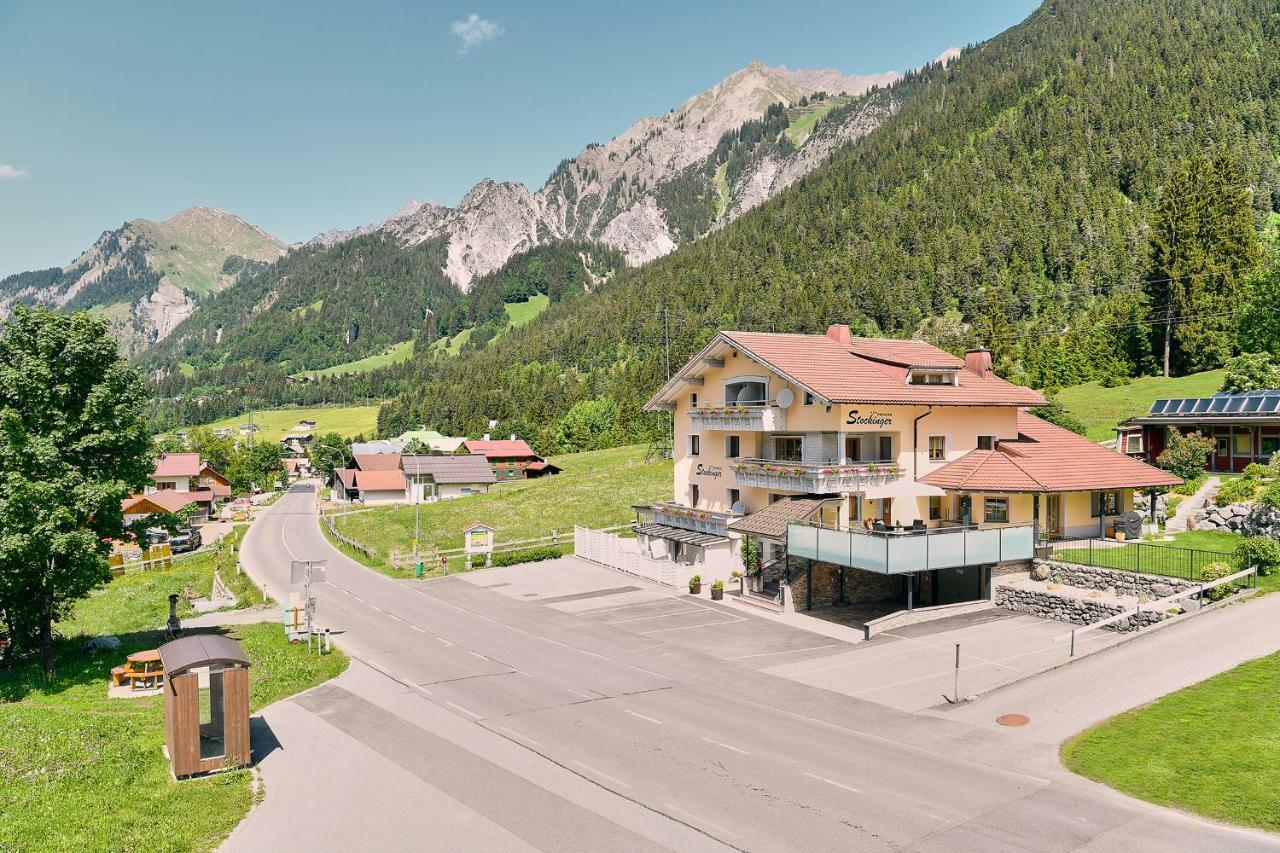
(185, 540)
(157, 536)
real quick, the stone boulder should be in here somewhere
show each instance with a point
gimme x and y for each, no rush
(105, 643)
(1039, 572)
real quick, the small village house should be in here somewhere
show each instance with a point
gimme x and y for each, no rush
(909, 474)
(1244, 428)
(178, 480)
(510, 458)
(433, 477)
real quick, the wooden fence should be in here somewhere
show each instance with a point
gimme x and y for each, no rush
(153, 557)
(353, 544)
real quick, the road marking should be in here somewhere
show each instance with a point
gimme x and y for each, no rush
(376, 607)
(478, 655)
(936, 817)
(656, 616)
(833, 782)
(580, 693)
(418, 628)
(650, 603)
(787, 651)
(462, 709)
(601, 774)
(515, 734)
(696, 822)
(690, 627)
(726, 746)
(642, 716)
(443, 640)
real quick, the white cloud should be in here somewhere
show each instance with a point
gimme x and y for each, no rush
(8, 171)
(474, 31)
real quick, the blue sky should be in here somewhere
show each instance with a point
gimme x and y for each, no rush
(302, 117)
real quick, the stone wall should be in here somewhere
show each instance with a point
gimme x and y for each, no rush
(1145, 586)
(1245, 519)
(859, 586)
(1043, 602)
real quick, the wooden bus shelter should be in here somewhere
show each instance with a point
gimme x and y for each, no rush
(206, 704)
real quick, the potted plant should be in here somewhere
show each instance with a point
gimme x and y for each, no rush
(717, 590)
(695, 585)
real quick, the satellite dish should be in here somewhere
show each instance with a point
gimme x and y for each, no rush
(738, 508)
(785, 398)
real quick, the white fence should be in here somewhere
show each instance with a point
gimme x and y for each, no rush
(614, 551)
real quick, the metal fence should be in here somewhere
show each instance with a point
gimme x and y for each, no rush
(1186, 563)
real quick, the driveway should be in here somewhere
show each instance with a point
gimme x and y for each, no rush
(487, 718)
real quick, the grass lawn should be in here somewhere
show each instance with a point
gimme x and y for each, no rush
(1210, 748)
(1145, 557)
(1102, 409)
(596, 489)
(274, 423)
(79, 771)
(518, 314)
(395, 354)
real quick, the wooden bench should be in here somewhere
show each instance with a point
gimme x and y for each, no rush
(139, 667)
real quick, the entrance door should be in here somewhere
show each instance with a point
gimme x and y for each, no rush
(960, 584)
(886, 449)
(853, 448)
(886, 510)
(1222, 452)
(1053, 516)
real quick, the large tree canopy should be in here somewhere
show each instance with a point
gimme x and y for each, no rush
(74, 443)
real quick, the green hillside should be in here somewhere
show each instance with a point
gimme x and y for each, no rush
(1101, 409)
(396, 354)
(347, 421)
(1026, 215)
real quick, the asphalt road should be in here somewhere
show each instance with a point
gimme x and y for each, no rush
(474, 721)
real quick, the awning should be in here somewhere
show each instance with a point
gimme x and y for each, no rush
(771, 522)
(903, 488)
(679, 534)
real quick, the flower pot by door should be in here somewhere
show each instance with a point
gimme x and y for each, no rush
(695, 589)
(717, 594)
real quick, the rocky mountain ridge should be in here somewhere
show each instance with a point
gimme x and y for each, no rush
(146, 277)
(620, 192)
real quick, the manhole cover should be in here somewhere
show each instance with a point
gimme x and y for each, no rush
(1013, 720)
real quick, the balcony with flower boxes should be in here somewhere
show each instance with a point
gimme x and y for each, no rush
(776, 475)
(739, 417)
(685, 518)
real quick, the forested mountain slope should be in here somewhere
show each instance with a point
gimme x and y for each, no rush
(1016, 198)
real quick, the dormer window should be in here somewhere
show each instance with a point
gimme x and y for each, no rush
(922, 376)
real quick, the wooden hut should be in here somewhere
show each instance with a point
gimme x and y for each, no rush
(206, 704)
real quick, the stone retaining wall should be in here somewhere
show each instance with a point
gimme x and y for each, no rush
(1043, 602)
(1122, 583)
(859, 586)
(1246, 519)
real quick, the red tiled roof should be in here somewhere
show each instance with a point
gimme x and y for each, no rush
(168, 500)
(178, 465)
(379, 481)
(500, 447)
(1046, 458)
(848, 374)
(377, 461)
(347, 476)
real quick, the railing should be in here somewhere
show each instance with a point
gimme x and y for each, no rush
(898, 552)
(807, 477)
(686, 518)
(607, 549)
(1141, 557)
(755, 416)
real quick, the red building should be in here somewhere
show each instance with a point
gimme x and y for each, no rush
(510, 458)
(1245, 428)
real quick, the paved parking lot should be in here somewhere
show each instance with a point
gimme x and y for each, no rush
(910, 668)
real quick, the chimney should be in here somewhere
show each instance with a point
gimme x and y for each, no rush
(979, 361)
(840, 333)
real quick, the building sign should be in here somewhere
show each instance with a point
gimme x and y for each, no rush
(713, 471)
(867, 418)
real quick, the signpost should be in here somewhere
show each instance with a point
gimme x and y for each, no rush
(301, 613)
(479, 540)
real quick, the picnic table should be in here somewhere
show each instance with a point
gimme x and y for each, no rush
(139, 667)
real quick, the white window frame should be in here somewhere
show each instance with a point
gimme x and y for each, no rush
(693, 400)
(737, 380)
(777, 456)
(728, 439)
(928, 448)
(986, 502)
(732, 495)
(694, 495)
(808, 398)
(695, 444)
(995, 440)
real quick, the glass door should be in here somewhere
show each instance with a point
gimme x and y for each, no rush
(1053, 516)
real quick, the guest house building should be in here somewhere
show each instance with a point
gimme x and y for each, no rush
(1245, 428)
(921, 470)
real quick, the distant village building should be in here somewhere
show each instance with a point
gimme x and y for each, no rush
(511, 458)
(178, 481)
(1244, 427)
(377, 478)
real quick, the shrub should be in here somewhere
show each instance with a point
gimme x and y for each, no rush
(1271, 495)
(1191, 486)
(1186, 455)
(1254, 471)
(719, 584)
(1213, 572)
(1260, 551)
(533, 555)
(1236, 490)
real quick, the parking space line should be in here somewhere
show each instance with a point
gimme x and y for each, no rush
(726, 746)
(642, 716)
(695, 821)
(662, 600)
(787, 651)
(515, 734)
(690, 627)
(834, 782)
(655, 616)
(469, 713)
(600, 773)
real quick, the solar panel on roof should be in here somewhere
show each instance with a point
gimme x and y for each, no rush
(1252, 403)
(1186, 406)
(1218, 405)
(1269, 404)
(1236, 404)
(1202, 405)
(1158, 406)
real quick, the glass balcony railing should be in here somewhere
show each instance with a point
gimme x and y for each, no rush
(783, 476)
(893, 552)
